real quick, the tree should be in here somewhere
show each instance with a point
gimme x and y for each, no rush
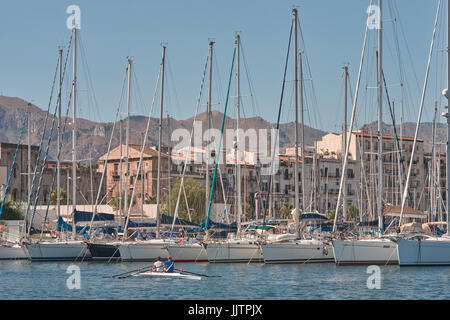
(150, 200)
(351, 212)
(11, 211)
(115, 201)
(62, 197)
(286, 209)
(331, 214)
(195, 193)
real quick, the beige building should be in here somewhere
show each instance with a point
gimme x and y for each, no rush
(363, 150)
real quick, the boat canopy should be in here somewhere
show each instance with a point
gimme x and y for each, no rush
(66, 227)
(87, 216)
(313, 216)
(265, 228)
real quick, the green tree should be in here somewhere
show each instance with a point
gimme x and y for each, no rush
(115, 201)
(195, 193)
(150, 200)
(331, 214)
(11, 211)
(62, 197)
(351, 212)
(285, 211)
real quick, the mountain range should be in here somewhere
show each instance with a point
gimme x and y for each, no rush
(93, 137)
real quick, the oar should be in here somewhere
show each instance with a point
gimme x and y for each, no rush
(133, 273)
(120, 274)
(197, 274)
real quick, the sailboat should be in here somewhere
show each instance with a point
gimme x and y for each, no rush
(293, 249)
(147, 250)
(69, 249)
(417, 248)
(242, 247)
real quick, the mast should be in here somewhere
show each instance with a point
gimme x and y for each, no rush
(58, 161)
(296, 186)
(431, 191)
(344, 190)
(169, 164)
(74, 130)
(238, 142)
(208, 125)
(127, 139)
(120, 175)
(158, 184)
(447, 167)
(380, 121)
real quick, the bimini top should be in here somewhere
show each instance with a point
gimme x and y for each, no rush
(395, 211)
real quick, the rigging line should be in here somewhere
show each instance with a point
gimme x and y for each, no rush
(143, 147)
(420, 113)
(38, 157)
(13, 163)
(109, 149)
(249, 80)
(314, 96)
(188, 154)
(172, 80)
(269, 189)
(220, 142)
(355, 102)
(88, 76)
(395, 131)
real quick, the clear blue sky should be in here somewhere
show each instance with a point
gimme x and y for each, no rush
(31, 31)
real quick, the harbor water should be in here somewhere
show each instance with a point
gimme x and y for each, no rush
(51, 280)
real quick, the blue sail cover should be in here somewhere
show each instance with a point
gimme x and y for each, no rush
(165, 219)
(218, 225)
(373, 223)
(312, 216)
(87, 216)
(66, 227)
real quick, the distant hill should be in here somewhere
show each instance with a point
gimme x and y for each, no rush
(94, 136)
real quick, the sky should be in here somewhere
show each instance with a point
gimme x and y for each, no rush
(32, 31)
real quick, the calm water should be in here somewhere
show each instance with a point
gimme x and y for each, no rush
(47, 280)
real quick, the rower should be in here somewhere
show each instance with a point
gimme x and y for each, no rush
(168, 265)
(158, 266)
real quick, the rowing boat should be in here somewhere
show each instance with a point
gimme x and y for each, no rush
(174, 275)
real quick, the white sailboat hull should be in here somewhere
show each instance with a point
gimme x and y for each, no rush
(234, 252)
(187, 252)
(58, 251)
(14, 252)
(365, 252)
(143, 250)
(427, 252)
(302, 251)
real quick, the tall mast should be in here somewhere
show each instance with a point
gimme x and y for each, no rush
(208, 125)
(169, 165)
(380, 121)
(447, 167)
(58, 161)
(74, 130)
(302, 148)
(238, 136)
(127, 138)
(344, 190)
(120, 175)
(158, 184)
(296, 186)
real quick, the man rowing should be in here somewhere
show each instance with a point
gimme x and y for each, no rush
(168, 265)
